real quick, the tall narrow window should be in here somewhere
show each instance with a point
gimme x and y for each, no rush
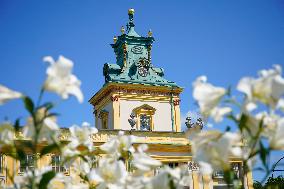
(145, 122)
(2, 170)
(104, 119)
(57, 166)
(27, 163)
(173, 164)
(2, 164)
(144, 116)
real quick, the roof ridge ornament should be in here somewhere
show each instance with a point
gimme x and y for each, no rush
(131, 18)
(133, 59)
(130, 25)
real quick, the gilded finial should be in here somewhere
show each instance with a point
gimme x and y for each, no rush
(114, 39)
(150, 33)
(122, 30)
(131, 11)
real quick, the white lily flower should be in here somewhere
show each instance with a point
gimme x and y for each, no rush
(205, 168)
(160, 181)
(245, 85)
(70, 182)
(268, 88)
(82, 136)
(60, 78)
(48, 126)
(280, 104)
(218, 113)
(6, 134)
(144, 162)
(68, 152)
(253, 128)
(215, 148)
(23, 181)
(109, 174)
(119, 146)
(276, 139)
(178, 176)
(7, 94)
(269, 122)
(208, 98)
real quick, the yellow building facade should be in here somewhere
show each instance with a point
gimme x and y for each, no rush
(137, 99)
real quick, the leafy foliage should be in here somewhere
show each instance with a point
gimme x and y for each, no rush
(271, 183)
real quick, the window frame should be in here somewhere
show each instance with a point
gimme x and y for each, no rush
(146, 110)
(27, 164)
(104, 119)
(2, 164)
(57, 167)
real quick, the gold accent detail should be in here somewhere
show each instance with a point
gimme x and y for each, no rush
(115, 118)
(124, 46)
(131, 11)
(122, 30)
(114, 98)
(114, 39)
(110, 88)
(176, 102)
(149, 53)
(177, 116)
(150, 33)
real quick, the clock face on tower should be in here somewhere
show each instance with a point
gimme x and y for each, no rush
(143, 67)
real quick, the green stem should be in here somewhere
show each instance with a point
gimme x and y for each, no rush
(40, 96)
(252, 153)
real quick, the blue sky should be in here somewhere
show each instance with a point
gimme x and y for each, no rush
(222, 39)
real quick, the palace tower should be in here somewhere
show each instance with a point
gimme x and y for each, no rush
(135, 87)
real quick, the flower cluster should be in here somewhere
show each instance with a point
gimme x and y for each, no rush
(259, 120)
(120, 162)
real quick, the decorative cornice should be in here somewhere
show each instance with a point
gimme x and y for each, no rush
(156, 137)
(133, 89)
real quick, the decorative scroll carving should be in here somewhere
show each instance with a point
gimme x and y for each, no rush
(137, 50)
(132, 121)
(143, 67)
(190, 125)
(114, 98)
(176, 102)
(193, 166)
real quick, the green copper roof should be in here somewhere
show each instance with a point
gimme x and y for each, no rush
(133, 59)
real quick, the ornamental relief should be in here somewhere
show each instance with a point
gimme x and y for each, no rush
(137, 50)
(193, 166)
(176, 102)
(64, 134)
(100, 137)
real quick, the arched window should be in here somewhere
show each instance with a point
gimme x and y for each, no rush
(144, 115)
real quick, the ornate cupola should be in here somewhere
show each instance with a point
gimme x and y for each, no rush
(135, 94)
(133, 59)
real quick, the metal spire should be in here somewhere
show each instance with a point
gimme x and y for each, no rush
(130, 25)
